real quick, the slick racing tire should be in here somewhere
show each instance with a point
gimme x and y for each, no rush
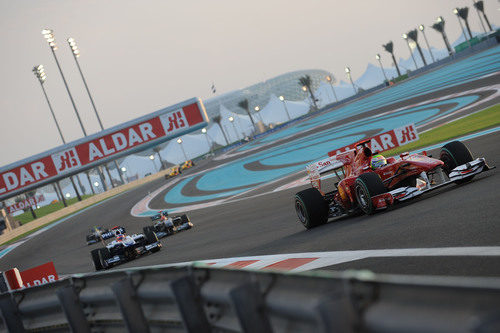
(366, 186)
(95, 259)
(147, 229)
(311, 208)
(184, 219)
(98, 258)
(453, 154)
(151, 238)
(91, 239)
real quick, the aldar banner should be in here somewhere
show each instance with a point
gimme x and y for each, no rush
(124, 139)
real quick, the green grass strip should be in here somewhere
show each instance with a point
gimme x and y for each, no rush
(45, 210)
(13, 240)
(481, 120)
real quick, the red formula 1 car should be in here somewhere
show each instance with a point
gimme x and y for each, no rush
(361, 186)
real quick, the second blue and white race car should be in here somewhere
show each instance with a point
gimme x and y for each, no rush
(98, 234)
(165, 225)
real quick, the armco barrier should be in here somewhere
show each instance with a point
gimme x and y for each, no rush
(201, 299)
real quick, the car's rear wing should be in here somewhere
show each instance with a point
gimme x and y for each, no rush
(316, 170)
(156, 217)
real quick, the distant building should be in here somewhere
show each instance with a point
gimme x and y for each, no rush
(258, 94)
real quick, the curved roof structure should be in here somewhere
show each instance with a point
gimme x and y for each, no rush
(259, 94)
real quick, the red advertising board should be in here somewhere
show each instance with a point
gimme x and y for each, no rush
(39, 275)
(31, 201)
(385, 141)
(105, 146)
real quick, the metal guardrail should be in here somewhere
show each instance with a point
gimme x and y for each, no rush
(201, 299)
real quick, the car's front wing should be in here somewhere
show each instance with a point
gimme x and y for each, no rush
(459, 173)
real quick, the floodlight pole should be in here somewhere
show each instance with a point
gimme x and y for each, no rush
(52, 112)
(377, 56)
(76, 53)
(49, 35)
(421, 27)
(41, 76)
(405, 37)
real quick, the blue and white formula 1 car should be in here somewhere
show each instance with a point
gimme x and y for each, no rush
(125, 248)
(165, 225)
(97, 234)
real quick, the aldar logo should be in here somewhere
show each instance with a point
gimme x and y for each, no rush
(406, 134)
(66, 160)
(173, 121)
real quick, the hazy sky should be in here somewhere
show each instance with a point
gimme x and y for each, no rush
(140, 56)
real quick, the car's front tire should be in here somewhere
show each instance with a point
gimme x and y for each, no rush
(453, 154)
(311, 208)
(99, 257)
(366, 186)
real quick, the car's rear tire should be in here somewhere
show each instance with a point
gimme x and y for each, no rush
(366, 186)
(453, 154)
(311, 208)
(91, 239)
(150, 236)
(147, 229)
(184, 219)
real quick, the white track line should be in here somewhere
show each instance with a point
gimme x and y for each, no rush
(300, 262)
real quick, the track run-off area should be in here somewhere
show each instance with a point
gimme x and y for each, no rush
(241, 203)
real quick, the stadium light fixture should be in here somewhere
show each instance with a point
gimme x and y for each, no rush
(48, 34)
(39, 72)
(348, 73)
(330, 79)
(179, 141)
(231, 120)
(405, 37)
(422, 28)
(76, 54)
(204, 131)
(413, 35)
(377, 56)
(257, 109)
(282, 99)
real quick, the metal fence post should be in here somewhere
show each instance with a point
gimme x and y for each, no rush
(336, 314)
(126, 296)
(190, 305)
(249, 306)
(70, 303)
(10, 314)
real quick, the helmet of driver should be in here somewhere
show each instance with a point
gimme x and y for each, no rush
(378, 161)
(120, 237)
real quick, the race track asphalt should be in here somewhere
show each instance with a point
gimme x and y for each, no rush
(455, 216)
(265, 223)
